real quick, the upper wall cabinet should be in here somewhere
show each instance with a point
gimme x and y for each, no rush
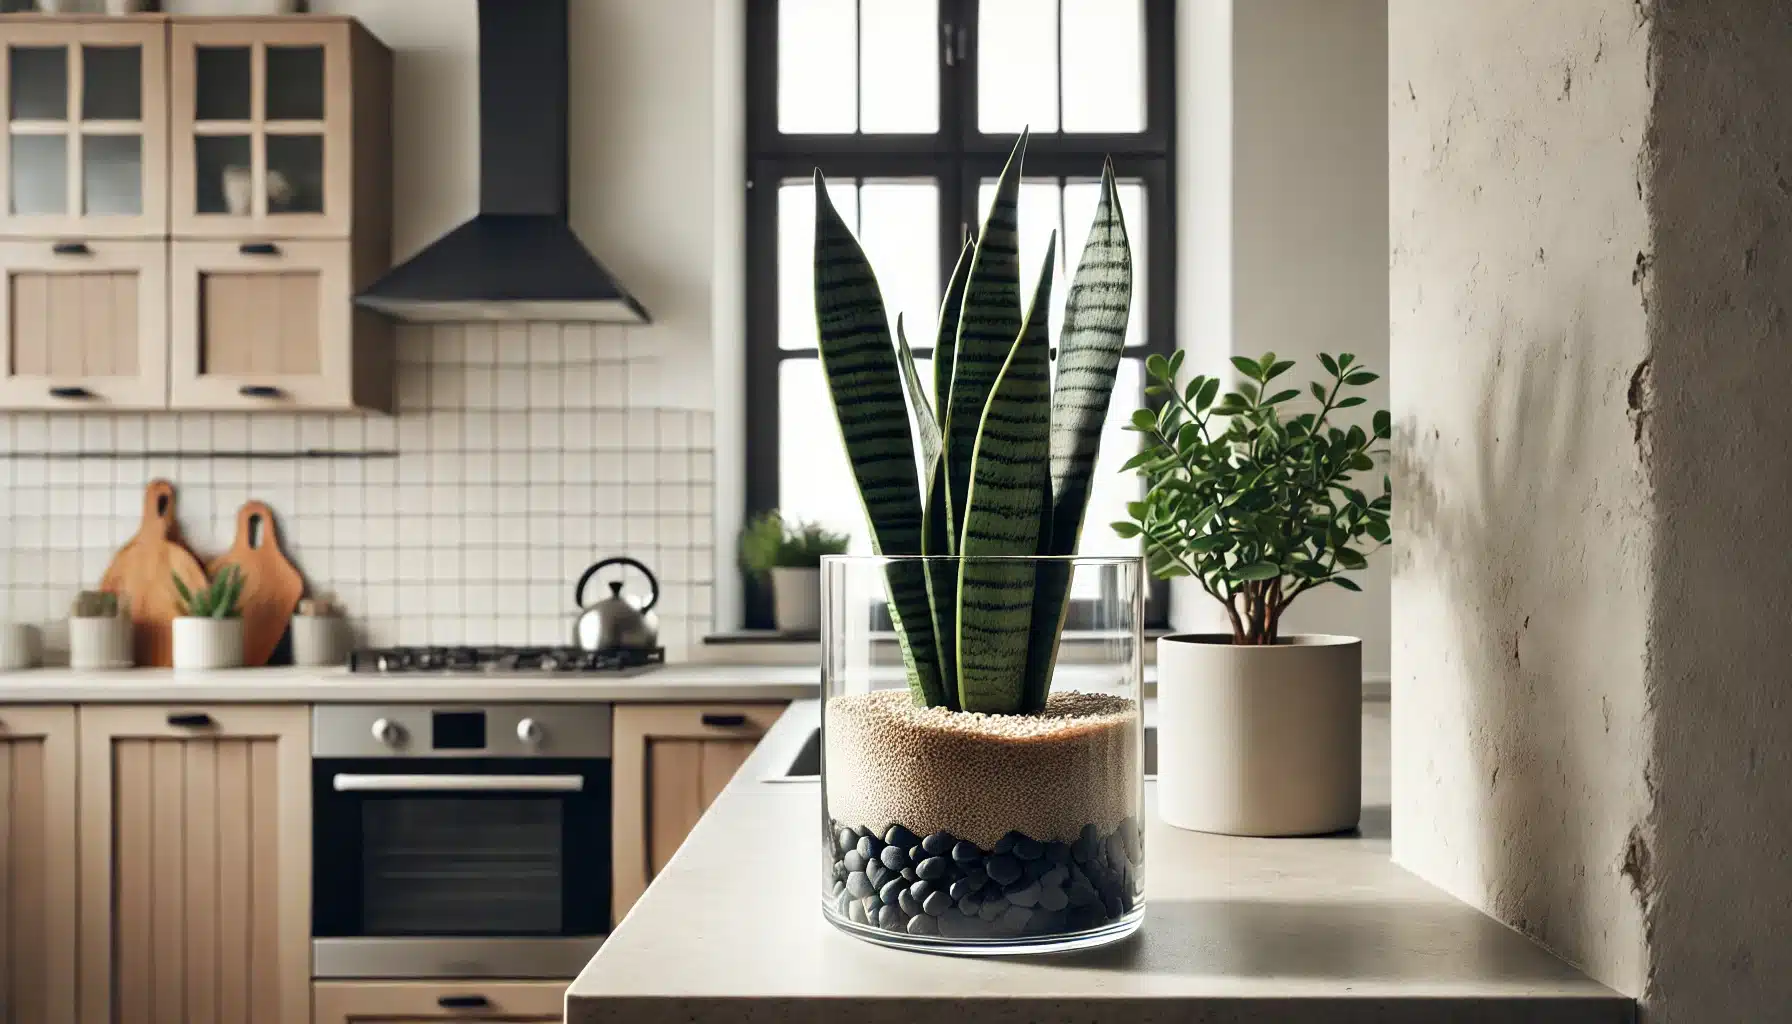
(86, 146)
(279, 127)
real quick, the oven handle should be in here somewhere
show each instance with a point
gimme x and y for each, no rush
(346, 783)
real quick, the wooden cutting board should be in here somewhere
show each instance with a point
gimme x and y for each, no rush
(271, 586)
(143, 573)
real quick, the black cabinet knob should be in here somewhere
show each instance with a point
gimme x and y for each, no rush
(70, 392)
(462, 1002)
(71, 249)
(258, 391)
(258, 249)
(724, 721)
(189, 719)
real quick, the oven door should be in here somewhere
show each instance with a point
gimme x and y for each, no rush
(459, 867)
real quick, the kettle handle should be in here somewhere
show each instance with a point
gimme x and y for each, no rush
(578, 591)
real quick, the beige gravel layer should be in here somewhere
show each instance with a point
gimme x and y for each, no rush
(977, 776)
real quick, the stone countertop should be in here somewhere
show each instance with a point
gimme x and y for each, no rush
(670, 683)
(1236, 929)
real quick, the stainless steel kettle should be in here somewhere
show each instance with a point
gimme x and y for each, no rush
(617, 622)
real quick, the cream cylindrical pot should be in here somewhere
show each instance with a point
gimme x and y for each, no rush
(796, 599)
(18, 646)
(1260, 740)
(317, 640)
(202, 644)
(101, 642)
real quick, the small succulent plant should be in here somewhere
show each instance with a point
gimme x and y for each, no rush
(215, 600)
(94, 604)
(318, 607)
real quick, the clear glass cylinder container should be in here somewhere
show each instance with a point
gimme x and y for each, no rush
(982, 795)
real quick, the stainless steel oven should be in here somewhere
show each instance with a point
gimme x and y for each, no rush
(459, 841)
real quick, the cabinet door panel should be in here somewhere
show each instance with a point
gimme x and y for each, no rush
(86, 128)
(83, 329)
(420, 1002)
(37, 877)
(200, 837)
(274, 315)
(669, 767)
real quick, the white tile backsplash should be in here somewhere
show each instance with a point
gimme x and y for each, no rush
(519, 455)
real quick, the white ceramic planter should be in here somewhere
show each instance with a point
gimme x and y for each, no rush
(99, 643)
(796, 600)
(202, 644)
(18, 647)
(1260, 741)
(317, 640)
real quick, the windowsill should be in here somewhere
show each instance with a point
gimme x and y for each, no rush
(770, 647)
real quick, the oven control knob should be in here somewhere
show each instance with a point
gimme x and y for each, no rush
(388, 732)
(529, 731)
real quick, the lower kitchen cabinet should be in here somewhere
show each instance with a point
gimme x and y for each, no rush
(37, 865)
(671, 760)
(417, 1002)
(195, 864)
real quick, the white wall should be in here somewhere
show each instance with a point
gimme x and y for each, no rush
(1283, 221)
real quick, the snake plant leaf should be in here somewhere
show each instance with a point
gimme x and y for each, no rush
(1089, 350)
(945, 342)
(928, 425)
(989, 325)
(942, 579)
(865, 384)
(1006, 515)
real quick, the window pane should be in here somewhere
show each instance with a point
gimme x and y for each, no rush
(814, 479)
(295, 83)
(111, 79)
(817, 66)
(1113, 489)
(221, 77)
(900, 229)
(899, 88)
(112, 174)
(1017, 66)
(1104, 65)
(39, 83)
(796, 254)
(1080, 198)
(39, 174)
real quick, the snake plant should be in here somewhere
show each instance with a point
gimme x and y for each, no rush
(1007, 448)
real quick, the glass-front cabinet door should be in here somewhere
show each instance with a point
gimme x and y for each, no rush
(86, 130)
(262, 128)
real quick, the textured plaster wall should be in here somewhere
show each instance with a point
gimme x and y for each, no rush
(1717, 411)
(1522, 580)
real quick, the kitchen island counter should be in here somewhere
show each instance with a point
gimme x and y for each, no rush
(1324, 929)
(671, 683)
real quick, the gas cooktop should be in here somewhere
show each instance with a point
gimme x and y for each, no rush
(500, 660)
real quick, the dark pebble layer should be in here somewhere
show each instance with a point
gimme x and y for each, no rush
(949, 888)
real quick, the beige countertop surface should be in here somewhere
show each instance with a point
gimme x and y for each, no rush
(675, 682)
(1236, 929)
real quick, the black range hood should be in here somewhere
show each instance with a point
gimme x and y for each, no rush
(518, 258)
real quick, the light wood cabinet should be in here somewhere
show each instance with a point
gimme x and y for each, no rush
(86, 147)
(84, 325)
(670, 762)
(247, 160)
(37, 865)
(195, 864)
(419, 1002)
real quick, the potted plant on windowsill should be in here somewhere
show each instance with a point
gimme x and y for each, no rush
(993, 805)
(788, 553)
(1259, 732)
(208, 633)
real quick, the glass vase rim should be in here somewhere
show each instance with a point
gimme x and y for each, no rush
(1127, 560)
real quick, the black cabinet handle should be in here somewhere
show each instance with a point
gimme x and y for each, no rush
(70, 392)
(724, 721)
(462, 1002)
(258, 249)
(258, 391)
(71, 249)
(189, 719)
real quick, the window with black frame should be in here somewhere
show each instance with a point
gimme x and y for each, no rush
(910, 107)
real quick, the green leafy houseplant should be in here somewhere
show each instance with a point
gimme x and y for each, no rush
(1256, 508)
(770, 541)
(1007, 452)
(215, 600)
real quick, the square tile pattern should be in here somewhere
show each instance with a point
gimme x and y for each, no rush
(520, 454)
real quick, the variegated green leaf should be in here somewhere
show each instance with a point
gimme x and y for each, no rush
(942, 579)
(945, 342)
(988, 325)
(1005, 516)
(928, 426)
(1089, 350)
(864, 381)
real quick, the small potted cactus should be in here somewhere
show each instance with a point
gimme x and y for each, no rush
(317, 633)
(788, 553)
(208, 634)
(993, 803)
(99, 631)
